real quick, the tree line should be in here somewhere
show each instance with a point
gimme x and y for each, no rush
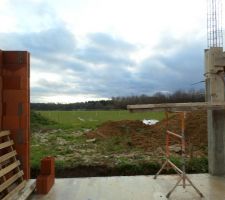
(179, 96)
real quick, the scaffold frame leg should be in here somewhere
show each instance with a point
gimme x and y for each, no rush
(181, 172)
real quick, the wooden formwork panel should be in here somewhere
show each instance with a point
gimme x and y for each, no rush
(11, 181)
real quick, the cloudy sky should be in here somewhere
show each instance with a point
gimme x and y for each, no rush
(94, 49)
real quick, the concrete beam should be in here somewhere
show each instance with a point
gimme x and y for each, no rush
(173, 107)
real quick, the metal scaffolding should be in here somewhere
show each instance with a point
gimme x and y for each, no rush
(181, 172)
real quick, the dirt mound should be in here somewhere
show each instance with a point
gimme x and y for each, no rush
(152, 137)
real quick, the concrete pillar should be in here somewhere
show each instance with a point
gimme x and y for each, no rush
(214, 73)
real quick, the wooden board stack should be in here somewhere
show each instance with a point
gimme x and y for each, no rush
(11, 176)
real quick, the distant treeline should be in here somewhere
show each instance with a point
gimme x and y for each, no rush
(122, 102)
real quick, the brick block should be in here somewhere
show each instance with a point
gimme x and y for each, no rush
(24, 122)
(1, 56)
(47, 177)
(23, 156)
(1, 123)
(22, 149)
(14, 108)
(16, 95)
(25, 83)
(14, 102)
(15, 122)
(15, 57)
(15, 70)
(15, 82)
(1, 82)
(12, 82)
(10, 122)
(20, 136)
(44, 183)
(48, 166)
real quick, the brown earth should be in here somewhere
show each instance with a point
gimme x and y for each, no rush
(133, 137)
(152, 137)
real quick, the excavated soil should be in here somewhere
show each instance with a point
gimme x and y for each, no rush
(152, 137)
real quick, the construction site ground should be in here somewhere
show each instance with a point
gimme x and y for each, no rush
(135, 187)
(127, 147)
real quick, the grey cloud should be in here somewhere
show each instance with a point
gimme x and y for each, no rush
(99, 56)
(110, 43)
(101, 68)
(177, 70)
(107, 50)
(53, 41)
(54, 48)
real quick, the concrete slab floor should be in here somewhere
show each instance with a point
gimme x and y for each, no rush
(134, 188)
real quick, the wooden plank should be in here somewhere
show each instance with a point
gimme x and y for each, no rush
(15, 191)
(9, 168)
(10, 181)
(7, 156)
(6, 144)
(14, 159)
(4, 133)
(27, 190)
(173, 107)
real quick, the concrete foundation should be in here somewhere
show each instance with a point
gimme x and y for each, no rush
(134, 188)
(215, 92)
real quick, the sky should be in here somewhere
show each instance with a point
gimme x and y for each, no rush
(84, 50)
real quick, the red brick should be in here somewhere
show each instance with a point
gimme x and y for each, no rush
(11, 70)
(1, 83)
(15, 57)
(10, 122)
(23, 156)
(48, 166)
(12, 82)
(44, 183)
(22, 148)
(10, 109)
(16, 79)
(14, 108)
(16, 95)
(24, 122)
(14, 92)
(1, 61)
(25, 83)
(20, 136)
(15, 122)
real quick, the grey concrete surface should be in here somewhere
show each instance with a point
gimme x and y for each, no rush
(215, 87)
(134, 188)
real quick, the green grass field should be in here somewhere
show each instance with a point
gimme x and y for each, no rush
(92, 119)
(62, 134)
